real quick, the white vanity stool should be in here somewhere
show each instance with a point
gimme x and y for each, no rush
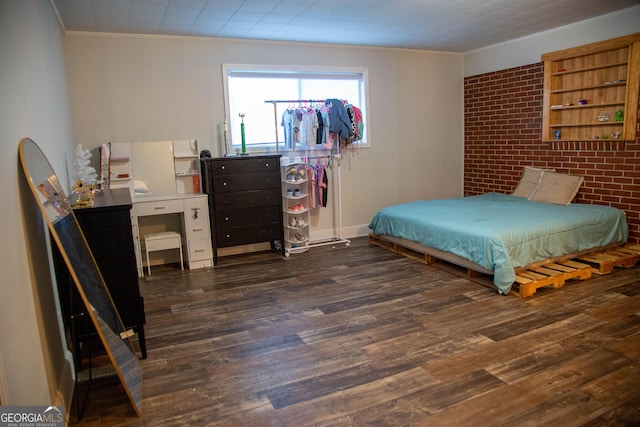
(162, 241)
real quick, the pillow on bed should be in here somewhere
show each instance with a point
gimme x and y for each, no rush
(557, 188)
(529, 181)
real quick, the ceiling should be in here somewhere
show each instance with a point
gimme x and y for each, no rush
(442, 25)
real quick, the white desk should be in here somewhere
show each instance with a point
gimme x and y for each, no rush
(187, 214)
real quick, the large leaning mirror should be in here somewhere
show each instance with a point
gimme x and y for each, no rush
(78, 258)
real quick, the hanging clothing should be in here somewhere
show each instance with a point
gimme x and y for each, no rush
(311, 176)
(359, 123)
(287, 124)
(352, 122)
(323, 185)
(339, 122)
(308, 127)
(297, 119)
(319, 173)
(327, 124)
(326, 134)
(320, 131)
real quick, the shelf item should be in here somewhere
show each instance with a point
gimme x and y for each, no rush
(295, 205)
(120, 167)
(186, 166)
(245, 200)
(590, 92)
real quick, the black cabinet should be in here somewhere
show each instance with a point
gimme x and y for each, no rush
(245, 200)
(107, 229)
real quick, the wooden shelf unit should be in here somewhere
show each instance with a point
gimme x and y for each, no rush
(186, 164)
(120, 169)
(606, 76)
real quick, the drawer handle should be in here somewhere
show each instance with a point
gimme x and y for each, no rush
(228, 235)
(224, 184)
(159, 207)
(194, 215)
(196, 229)
(199, 250)
(266, 164)
(226, 218)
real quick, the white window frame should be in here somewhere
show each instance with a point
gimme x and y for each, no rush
(234, 134)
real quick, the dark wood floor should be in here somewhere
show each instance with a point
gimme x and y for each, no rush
(359, 336)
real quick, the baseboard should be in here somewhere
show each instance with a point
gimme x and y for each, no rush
(4, 392)
(243, 249)
(66, 387)
(315, 235)
(347, 232)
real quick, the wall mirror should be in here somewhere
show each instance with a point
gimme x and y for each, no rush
(82, 267)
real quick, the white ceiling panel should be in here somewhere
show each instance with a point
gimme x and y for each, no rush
(444, 25)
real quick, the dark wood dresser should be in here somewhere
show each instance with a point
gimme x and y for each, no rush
(245, 200)
(107, 228)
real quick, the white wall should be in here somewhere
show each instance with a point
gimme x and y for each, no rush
(33, 104)
(145, 88)
(527, 50)
(127, 88)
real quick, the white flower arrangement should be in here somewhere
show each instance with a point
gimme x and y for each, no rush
(84, 175)
(82, 170)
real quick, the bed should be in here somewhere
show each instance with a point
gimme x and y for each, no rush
(498, 233)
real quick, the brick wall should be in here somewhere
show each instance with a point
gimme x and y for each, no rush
(503, 128)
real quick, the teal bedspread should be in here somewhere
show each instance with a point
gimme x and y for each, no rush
(501, 232)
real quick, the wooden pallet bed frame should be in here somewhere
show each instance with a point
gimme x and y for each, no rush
(553, 272)
(603, 262)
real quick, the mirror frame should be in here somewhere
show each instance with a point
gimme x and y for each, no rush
(75, 251)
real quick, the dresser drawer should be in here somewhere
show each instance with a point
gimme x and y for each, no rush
(245, 165)
(196, 221)
(235, 236)
(247, 199)
(244, 217)
(194, 231)
(246, 182)
(199, 249)
(158, 207)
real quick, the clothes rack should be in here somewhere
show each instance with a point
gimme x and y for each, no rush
(286, 101)
(337, 237)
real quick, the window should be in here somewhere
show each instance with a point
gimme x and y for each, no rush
(247, 87)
